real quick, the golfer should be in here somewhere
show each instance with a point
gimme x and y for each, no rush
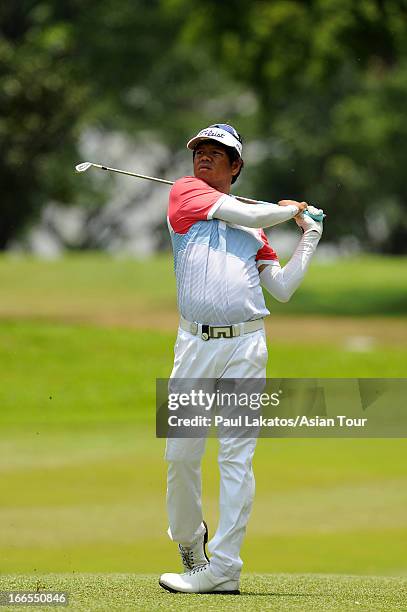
(222, 259)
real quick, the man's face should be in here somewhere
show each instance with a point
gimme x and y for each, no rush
(212, 164)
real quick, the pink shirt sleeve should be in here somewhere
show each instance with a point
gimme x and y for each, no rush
(265, 254)
(191, 200)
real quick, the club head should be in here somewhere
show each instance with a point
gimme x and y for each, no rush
(83, 167)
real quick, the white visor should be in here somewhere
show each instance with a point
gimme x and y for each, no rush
(214, 133)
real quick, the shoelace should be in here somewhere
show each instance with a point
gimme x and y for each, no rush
(200, 568)
(187, 556)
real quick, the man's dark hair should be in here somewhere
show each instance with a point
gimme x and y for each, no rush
(232, 154)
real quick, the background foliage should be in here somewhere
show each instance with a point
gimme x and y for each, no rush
(317, 87)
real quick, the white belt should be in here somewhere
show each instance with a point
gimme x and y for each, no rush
(220, 331)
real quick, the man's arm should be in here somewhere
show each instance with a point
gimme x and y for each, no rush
(282, 282)
(257, 215)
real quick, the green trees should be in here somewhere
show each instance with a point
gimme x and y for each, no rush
(320, 85)
(66, 65)
(331, 80)
(39, 100)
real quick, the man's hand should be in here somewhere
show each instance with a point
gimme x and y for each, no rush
(307, 224)
(301, 205)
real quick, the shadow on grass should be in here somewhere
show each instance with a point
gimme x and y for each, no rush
(251, 594)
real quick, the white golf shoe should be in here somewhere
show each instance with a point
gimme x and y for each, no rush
(195, 555)
(199, 580)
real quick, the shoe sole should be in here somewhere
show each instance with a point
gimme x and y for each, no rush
(170, 590)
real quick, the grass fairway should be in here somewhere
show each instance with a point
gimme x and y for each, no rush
(96, 287)
(82, 341)
(85, 477)
(258, 592)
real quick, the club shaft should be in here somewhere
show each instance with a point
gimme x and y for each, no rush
(159, 180)
(165, 182)
(142, 176)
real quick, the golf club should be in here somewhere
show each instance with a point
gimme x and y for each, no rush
(84, 166)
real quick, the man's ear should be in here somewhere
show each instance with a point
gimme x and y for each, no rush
(236, 165)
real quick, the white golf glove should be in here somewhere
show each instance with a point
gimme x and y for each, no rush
(307, 224)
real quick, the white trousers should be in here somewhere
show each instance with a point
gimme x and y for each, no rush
(241, 357)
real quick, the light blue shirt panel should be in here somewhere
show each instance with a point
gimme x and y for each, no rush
(204, 294)
(218, 236)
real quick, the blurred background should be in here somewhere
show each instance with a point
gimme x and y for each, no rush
(88, 311)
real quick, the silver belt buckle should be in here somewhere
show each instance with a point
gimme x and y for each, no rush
(224, 331)
(216, 331)
(221, 331)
